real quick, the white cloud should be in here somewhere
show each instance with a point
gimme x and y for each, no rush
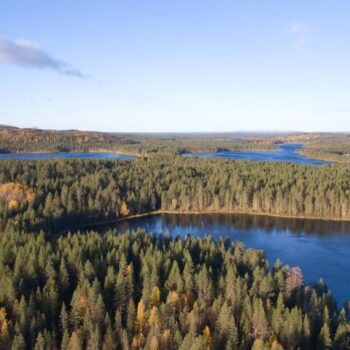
(29, 54)
(301, 34)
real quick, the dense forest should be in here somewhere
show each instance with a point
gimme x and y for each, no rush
(59, 194)
(139, 291)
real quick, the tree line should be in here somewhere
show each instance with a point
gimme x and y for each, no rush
(58, 194)
(330, 147)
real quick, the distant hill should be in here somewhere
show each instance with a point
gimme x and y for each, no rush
(2, 127)
(13, 139)
(325, 146)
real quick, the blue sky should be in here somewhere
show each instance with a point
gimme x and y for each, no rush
(180, 65)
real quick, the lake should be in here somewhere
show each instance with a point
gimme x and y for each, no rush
(286, 153)
(320, 248)
(64, 155)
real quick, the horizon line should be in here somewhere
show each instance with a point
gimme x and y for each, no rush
(244, 131)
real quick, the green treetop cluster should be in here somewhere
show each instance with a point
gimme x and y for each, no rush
(139, 291)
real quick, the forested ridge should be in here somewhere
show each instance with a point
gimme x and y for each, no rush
(57, 194)
(140, 291)
(37, 140)
(13, 140)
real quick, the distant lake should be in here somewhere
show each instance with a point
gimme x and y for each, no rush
(320, 248)
(64, 155)
(286, 153)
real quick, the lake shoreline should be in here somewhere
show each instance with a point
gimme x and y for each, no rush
(206, 212)
(200, 153)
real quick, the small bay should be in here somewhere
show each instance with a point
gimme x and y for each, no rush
(287, 152)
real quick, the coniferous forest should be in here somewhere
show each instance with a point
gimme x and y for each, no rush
(175, 175)
(57, 194)
(139, 291)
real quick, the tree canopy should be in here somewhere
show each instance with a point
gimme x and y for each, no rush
(140, 291)
(60, 194)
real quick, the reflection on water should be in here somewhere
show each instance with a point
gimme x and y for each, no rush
(320, 248)
(181, 224)
(285, 153)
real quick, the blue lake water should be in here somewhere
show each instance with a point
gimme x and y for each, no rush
(64, 155)
(320, 248)
(286, 153)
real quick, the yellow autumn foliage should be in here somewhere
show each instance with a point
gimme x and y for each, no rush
(166, 338)
(259, 345)
(4, 326)
(154, 316)
(154, 345)
(207, 335)
(14, 194)
(174, 297)
(276, 346)
(13, 204)
(155, 296)
(140, 317)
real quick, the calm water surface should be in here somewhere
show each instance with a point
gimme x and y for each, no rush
(64, 155)
(320, 248)
(285, 153)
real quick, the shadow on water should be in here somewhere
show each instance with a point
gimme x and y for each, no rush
(181, 223)
(320, 248)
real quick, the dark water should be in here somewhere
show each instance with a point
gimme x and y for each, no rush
(320, 248)
(286, 153)
(64, 155)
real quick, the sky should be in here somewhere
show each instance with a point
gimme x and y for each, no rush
(175, 65)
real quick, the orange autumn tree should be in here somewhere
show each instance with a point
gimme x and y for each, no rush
(4, 329)
(124, 209)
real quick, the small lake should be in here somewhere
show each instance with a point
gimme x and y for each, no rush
(64, 155)
(320, 248)
(286, 153)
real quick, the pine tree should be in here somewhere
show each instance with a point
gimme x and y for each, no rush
(40, 342)
(324, 339)
(130, 321)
